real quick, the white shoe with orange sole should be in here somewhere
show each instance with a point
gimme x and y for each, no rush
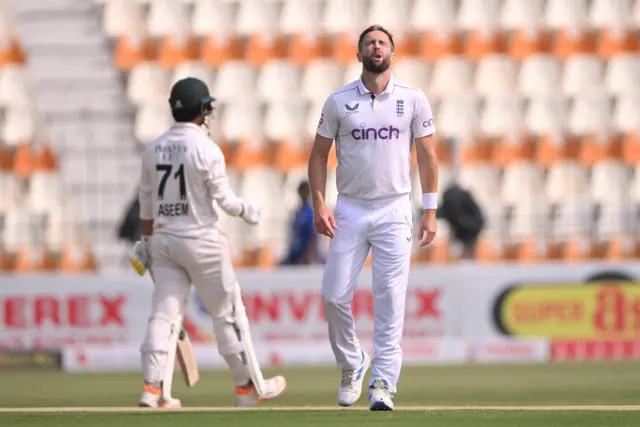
(247, 396)
(152, 398)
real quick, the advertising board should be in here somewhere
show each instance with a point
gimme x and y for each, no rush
(50, 312)
(287, 306)
(555, 301)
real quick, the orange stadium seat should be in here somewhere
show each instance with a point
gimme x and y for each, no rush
(490, 250)
(34, 259)
(77, 258)
(11, 53)
(580, 248)
(551, 149)
(24, 160)
(174, 50)
(261, 48)
(621, 247)
(131, 50)
(533, 250)
(567, 42)
(345, 48)
(215, 50)
(6, 262)
(10, 184)
(6, 158)
(526, 42)
(480, 43)
(614, 41)
(407, 45)
(438, 252)
(45, 159)
(435, 45)
(631, 148)
(303, 49)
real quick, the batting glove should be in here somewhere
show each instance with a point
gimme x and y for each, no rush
(250, 214)
(141, 255)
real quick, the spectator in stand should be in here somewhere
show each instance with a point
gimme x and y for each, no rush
(463, 214)
(302, 249)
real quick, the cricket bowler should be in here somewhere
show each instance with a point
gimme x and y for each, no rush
(183, 173)
(374, 122)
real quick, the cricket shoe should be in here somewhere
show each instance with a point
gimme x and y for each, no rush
(380, 398)
(152, 398)
(351, 383)
(247, 396)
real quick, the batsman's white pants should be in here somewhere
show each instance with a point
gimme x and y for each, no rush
(204, 262)
(385, 227)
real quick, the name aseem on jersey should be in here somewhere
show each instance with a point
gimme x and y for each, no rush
(173, 209)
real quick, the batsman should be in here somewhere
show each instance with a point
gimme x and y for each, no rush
(183, 173)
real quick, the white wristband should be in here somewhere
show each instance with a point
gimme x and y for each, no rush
(429, 201)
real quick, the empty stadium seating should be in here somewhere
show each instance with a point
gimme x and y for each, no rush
(538, 101)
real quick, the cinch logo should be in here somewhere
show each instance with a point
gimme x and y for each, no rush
(367, 134)
(427, 123)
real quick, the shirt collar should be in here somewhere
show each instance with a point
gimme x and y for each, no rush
(363, 90)
(186, 125)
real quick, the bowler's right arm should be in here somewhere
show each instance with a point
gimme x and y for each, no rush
(324, 221)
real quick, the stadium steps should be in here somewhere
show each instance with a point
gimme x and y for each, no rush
(81, 101)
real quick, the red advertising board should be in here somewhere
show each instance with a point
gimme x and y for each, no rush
(289, 308)
(51, 313)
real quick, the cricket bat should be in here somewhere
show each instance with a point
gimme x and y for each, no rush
(187, 359)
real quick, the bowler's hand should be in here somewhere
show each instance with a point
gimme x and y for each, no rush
(324, 221)
(427, 227)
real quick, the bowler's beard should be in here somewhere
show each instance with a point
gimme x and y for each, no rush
(371, 67)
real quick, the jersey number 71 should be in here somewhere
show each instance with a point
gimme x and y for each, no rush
(179, 175)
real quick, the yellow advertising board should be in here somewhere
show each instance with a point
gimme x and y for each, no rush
(585, 311)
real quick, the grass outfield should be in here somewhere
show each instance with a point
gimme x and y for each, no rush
(423, 392)
(334, 418)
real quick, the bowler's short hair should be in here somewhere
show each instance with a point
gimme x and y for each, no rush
(375, 28)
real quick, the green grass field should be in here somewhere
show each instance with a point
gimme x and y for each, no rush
(427, 394)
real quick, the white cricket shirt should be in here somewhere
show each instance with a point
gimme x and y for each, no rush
(183, 172)
(374, 135)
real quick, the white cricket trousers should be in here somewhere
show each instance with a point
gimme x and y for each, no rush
(385, 226)
(179, 262)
